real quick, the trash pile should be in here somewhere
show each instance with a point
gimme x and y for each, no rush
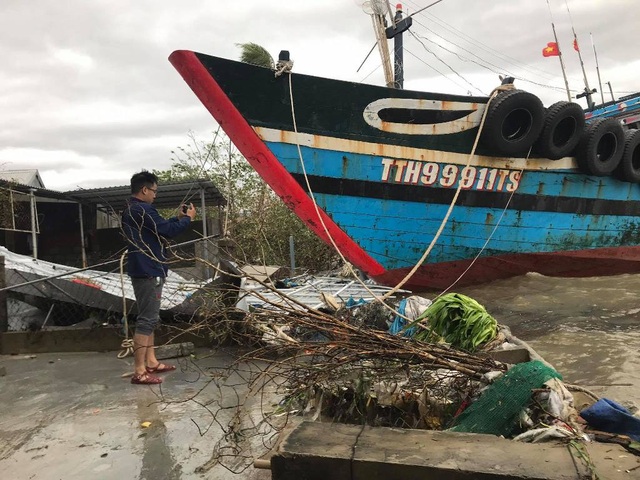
(411, 362)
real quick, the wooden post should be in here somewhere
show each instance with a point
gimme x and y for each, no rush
(205, 244)
(82, 245)
(4, 316)
(34, 223)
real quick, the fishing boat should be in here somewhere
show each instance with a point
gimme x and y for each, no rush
(626, 109)
(393, 178)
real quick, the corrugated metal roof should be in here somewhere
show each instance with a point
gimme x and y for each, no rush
(309, 290)
(170, 195)
(38, 192)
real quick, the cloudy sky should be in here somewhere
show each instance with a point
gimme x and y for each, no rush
(88, 97)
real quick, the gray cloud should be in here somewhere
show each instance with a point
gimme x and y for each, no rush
(88, 95)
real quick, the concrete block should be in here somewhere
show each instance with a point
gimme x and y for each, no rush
(319, 451)
(174, 350)
(315, 451)
(512, 355)
(420, 454)
(309, 467)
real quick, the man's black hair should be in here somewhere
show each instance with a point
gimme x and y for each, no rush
(142, 179)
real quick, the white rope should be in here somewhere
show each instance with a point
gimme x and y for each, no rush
(440, 229)
(495, 227)
(445, 220)
(127, 348)
(283, 66)
(317, 209)
(127, 343)
(504, 210)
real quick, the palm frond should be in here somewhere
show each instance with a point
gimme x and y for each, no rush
(256, 55)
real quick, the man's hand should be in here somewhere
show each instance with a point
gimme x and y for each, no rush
(189, 211)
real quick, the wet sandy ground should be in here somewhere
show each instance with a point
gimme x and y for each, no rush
(71, 416)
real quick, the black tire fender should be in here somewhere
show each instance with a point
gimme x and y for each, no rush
(514, 121)
(629, 167)
(562, 130)
(601, 147)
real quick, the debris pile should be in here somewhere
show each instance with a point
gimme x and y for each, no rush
(408, 362)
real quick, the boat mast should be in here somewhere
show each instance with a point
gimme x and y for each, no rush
(399, 26)
(379, 24)
(384, 33)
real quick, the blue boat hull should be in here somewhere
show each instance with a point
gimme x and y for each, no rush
(384, 194)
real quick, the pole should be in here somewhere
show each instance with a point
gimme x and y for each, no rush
(82, 245)
(595, 55)
(398, 52)
(4, 315)
(611, 90)
(383, 48)
(34, 220)
(393, 20)
(564, 73)
(400, 25)
(587, 89)
(555, 37)
(292, 255)
(205, 245)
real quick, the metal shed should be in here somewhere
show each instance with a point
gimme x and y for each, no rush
(170, 195)
(200, 192)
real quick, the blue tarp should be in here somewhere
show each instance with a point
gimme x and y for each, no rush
(399, 323)
(608, 416)
(351, 303)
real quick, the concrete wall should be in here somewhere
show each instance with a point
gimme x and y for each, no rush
(318, 451)
(82, 340)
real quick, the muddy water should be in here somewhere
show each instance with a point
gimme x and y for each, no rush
(589, 328)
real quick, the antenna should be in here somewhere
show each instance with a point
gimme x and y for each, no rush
(366, 57)
(373, 7)
(595, 54)
(424, 8)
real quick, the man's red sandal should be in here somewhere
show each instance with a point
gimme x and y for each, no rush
(161, 368)
(145, 379)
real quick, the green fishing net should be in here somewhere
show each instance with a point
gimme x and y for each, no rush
(497, 411)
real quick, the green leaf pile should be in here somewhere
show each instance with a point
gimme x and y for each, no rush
(459, 320)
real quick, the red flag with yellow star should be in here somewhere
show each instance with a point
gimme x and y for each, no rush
(551, 50)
